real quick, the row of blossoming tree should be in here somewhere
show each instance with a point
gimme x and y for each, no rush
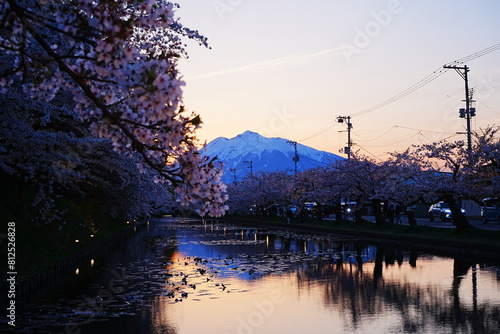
(92, 108)
(442, 171)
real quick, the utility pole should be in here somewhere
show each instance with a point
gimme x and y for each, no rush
(468, 112)
(296, 157)
(250, 165)
(347, 149)
(233, 170)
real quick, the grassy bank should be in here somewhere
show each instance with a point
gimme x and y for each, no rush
(473, 242)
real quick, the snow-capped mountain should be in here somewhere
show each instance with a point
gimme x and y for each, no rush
(251, 152)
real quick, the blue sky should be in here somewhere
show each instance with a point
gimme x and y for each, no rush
(288, 69)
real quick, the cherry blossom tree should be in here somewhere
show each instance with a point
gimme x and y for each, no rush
(312, 185)
(262, 191)
(446, 173)
(362, 181)
(359, 179)
(441, 171)
(118, 60)
(373, 183)
(47, 155)
(486, 153)
(323, 185)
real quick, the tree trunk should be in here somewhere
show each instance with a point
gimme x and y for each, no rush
(458, 218)
(377, 211)
(358, 217)
(378, 268)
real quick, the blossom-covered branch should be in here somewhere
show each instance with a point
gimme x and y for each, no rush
(119, 62)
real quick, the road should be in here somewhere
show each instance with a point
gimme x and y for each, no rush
(492, 226)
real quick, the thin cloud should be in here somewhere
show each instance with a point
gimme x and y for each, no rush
(267, 63)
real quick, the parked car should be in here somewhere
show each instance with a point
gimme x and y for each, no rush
(310, 206)
(313, 207)
(491, 210)
(440, 210)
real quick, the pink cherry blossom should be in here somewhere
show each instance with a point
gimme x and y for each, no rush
(122, 72)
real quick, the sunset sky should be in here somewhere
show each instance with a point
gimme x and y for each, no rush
(289, 68)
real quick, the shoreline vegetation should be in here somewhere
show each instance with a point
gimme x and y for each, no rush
(472, 243)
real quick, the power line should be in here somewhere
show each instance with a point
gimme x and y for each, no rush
(327, 127)
(398, 141)
(476, 55)
(419, 131)
(431, 77)
(415, 113)
(429, 131)
(383, 134)
(487, 86)
(496, 112)
(313, 162)
(428, 79)
(373, 155)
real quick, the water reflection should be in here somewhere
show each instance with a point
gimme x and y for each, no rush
(419, 300)
(178, 277)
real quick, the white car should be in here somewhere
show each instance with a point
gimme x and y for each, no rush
(440, 210)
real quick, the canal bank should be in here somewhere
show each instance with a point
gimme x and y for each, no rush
(447, 242)
(30, 285)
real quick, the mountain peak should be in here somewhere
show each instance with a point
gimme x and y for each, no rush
(250, 151)
(248, 133)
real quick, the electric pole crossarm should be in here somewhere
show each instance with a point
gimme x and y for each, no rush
(457, 69)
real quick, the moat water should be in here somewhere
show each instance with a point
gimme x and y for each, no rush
(190, 277)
